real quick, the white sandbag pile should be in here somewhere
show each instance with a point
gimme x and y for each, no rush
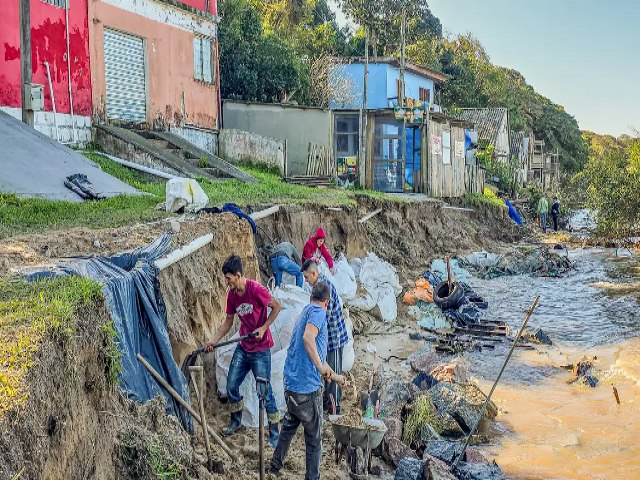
(380, 280)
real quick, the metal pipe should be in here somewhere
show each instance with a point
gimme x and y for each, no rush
(53, 100)
(73, 122)
(142, 168)
(488, 399)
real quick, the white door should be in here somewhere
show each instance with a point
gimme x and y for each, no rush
(125, 77)
(446, 147)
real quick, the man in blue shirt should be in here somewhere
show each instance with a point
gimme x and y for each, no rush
(304, 371)
(337, 331)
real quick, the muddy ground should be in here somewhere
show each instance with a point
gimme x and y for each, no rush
(105, 435)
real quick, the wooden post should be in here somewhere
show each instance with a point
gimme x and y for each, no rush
(181, 401)
(197, 376)
(25, 59)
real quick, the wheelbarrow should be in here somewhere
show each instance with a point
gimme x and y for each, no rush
(348, 438)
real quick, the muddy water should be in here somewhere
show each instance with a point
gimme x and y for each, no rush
(548, 428)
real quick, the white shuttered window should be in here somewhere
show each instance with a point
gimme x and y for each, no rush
(203, 59)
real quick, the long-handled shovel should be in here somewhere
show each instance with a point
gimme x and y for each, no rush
(190, 360)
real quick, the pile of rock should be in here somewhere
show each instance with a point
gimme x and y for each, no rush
(454, 406)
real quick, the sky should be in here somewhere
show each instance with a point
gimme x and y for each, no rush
(582, 54)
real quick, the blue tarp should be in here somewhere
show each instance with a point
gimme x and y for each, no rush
(513, 213)
(132, 291)
(231, 208)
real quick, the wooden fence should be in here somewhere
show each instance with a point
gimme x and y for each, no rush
(474, 179)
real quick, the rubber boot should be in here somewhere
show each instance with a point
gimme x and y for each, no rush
(234, 424)
(274, 433)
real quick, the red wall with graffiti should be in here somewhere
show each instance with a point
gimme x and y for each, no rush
(48, 44)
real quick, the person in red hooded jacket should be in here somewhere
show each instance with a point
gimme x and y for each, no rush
(315, 249)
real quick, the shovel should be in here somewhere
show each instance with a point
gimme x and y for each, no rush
(190, 360)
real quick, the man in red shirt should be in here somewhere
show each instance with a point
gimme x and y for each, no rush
(249, 300)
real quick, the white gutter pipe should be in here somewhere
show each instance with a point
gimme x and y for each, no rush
(142, 168)
(73, 122)
(53, 101)
(200, 242)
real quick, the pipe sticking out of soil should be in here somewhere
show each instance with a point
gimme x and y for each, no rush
(200, 242)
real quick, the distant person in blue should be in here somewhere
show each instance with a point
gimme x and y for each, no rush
(285, 258)
(555, 213)
(305, 371)
(513, 213)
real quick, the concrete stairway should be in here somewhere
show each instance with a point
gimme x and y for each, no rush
(166, 152)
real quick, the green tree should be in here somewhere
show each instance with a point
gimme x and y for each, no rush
(254, 65)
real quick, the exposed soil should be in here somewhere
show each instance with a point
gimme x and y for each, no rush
(75, 426)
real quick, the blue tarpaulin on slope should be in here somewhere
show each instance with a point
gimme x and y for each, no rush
(131, 288)
(513, 213)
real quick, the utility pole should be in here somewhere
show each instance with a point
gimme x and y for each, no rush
(25, 59)
(402, 58)
(362, 161)
(401, 99)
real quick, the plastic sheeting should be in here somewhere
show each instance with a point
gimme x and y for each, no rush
(381, 282)
(439, 267)
(132, 291)
(185, 193)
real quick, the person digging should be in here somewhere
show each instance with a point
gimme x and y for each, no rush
(304, 370)
(249, 300)
(337, 332)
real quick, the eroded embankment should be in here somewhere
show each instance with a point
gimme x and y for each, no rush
(75, 425)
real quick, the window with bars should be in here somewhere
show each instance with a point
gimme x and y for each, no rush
(425, 95)
(204, 68)
(57, 3)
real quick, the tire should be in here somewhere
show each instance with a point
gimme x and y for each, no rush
(444, 299)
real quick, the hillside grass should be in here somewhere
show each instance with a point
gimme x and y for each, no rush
(30, 313)
(30, 215)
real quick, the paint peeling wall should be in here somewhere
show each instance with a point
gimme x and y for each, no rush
(168, 32)
(48, 43)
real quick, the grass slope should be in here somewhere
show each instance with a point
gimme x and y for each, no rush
(29, 314)
(26, 215)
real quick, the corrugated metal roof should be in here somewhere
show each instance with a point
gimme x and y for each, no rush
(486, 120)
(517, 143)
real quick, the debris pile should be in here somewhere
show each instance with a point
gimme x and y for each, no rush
(538, 261)
(456, 316)
(426, 419)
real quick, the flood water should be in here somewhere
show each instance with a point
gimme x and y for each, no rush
(548, 429)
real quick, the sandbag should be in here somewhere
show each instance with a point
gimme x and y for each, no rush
(381, 282)
(348, 352)
(185, 193)
(344, 278)
(250, 413)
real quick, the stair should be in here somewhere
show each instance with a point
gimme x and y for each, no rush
(176, 154)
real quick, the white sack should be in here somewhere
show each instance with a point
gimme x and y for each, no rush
(185, 192)
(381, 282)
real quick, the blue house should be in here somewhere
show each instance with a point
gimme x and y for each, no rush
(411, 147)
(383, 86)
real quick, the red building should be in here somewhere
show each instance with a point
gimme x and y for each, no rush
(153, 62)
(49, 30)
